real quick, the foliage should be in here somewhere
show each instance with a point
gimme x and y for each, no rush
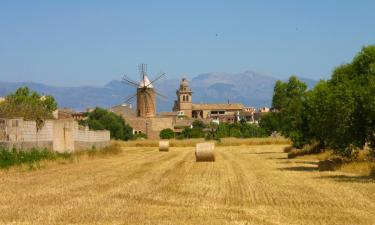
(101, 119)
(288, 100)
(198, 124)
(139, 136)
(211, 134)
(29, 105)
(239, 130)
(12, 157)
(193, 132)
(270, 122)
(166, 134)
(338, 113)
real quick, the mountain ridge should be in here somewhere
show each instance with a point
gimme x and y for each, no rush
(250, 88)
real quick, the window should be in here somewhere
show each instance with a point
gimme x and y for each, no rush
(187, 98)
(183, 98)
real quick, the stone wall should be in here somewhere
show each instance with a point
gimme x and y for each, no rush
(86, 139)
(58, 135)
(150, 126)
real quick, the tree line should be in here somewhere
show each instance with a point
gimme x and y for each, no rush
(338, 113)
(216, 131)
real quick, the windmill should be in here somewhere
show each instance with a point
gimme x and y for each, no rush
(145, 94)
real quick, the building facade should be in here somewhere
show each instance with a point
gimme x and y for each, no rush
(184, 106)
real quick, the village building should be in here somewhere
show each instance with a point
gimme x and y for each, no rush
(184, 105)
(66, 113)
(145, 120)
(124, 110)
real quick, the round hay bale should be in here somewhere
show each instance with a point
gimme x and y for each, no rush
(163, 146)
(204, 152)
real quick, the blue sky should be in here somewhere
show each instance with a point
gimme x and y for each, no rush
(92, 42)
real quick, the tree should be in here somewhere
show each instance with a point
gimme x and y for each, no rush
(29, 105)
(288, 100)
(270, 122)
(338, 113)
(101, 119)
(166, 134)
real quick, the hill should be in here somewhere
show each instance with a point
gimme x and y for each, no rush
(250, 88)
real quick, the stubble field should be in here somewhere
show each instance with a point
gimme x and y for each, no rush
(246, 185)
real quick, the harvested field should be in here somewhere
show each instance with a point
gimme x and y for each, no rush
(245, 185)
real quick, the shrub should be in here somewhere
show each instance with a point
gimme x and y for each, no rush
(13, 157)
(166, 134)
(101, 119)
(198, 124)
(193, 133)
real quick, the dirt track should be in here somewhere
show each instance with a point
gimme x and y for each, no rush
(246, 185)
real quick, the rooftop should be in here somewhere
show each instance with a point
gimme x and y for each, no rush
(218, 106)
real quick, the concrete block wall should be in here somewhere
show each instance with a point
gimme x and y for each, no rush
(87, 139)
(91, 136)
(58, 135)
(30, 133)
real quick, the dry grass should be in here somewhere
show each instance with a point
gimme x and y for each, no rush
(223, 142)
(246, 185)
(360, 168)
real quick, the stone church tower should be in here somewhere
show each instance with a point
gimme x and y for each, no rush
(184, 99)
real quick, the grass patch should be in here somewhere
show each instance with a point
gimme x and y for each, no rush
(113, 149)
(306, 150)
(361, 164)
(14, 157)
(361, 168)
(33, 157)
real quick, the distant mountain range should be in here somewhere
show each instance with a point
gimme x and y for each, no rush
(250, 88)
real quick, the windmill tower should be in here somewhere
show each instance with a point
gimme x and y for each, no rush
(145, 94)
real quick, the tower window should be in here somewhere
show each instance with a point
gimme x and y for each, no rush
(187, 98)
(183, 98)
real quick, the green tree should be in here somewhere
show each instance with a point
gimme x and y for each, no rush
(101, 119)
(166, 134)
(270, 122)
(288, 100)
(29, 105)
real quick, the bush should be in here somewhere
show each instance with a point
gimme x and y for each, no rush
(198, 124)
(13, 157)
(240, 130)
(166, 134)
(193, 133)
(101, 119)
(28, 105)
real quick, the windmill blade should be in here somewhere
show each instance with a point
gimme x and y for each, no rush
(156, 79)
(127, 80)
(142, 71)
(128, 100)
(161, 95)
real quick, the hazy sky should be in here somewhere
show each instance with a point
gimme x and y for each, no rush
(75, 42)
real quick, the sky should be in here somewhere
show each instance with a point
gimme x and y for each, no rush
(73, 43)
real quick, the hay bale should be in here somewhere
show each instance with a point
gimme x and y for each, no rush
(205, 152)
(163, 146)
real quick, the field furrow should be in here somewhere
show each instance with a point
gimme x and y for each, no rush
(245, 185)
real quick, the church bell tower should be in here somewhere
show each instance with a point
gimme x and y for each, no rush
(184, 99)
